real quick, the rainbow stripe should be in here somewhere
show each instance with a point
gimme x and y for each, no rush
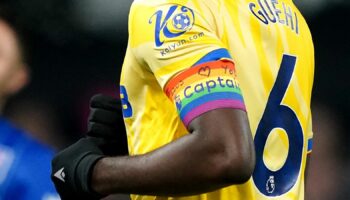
(203, 88)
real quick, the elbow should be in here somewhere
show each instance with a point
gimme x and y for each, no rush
(236, 167)
(240, 169)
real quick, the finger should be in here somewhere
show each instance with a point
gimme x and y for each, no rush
(105, 102)
(107, 117)
(102, 131)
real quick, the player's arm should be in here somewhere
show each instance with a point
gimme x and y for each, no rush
(218, 152)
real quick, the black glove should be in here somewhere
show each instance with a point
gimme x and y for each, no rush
(106, 122)
(72, 169)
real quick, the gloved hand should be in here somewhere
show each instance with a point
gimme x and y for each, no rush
(106, 122)
(72, 169)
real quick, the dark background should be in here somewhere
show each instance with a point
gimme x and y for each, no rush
(76, 48)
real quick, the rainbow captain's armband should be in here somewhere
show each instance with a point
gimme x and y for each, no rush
(205, 87)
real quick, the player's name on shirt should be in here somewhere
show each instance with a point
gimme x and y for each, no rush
(274, 11)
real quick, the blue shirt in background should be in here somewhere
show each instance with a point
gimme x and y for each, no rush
(25, 166)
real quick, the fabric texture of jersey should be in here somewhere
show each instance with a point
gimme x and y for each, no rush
(269, 44)
(24, 166)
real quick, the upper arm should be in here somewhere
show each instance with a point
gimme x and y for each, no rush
(228, 130)
(210, 104)
(180, 47)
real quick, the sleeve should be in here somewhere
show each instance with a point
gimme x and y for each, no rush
(180, 46)
(310, 135)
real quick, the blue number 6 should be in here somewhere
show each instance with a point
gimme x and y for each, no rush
(277, 115)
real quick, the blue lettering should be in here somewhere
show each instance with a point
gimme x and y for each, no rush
(266, 13)
(185, 92)
(210, 85)
(191, 90)
(273, 19)
(199, 88)
(259, 14)
(161, 25)
(277, 11)
(297, 23)
(289, 15)
(230, 83)
(178, 102)
(220, 82)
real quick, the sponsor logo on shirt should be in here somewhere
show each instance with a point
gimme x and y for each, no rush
(172, 23)
(179, 43)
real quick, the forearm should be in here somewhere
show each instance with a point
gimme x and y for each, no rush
(211, 157)
(218, 152)
(177, 169)
(184, 167)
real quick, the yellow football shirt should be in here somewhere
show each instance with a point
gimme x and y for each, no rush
(187, 57)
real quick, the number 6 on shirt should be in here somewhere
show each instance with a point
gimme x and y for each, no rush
(277, 115)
